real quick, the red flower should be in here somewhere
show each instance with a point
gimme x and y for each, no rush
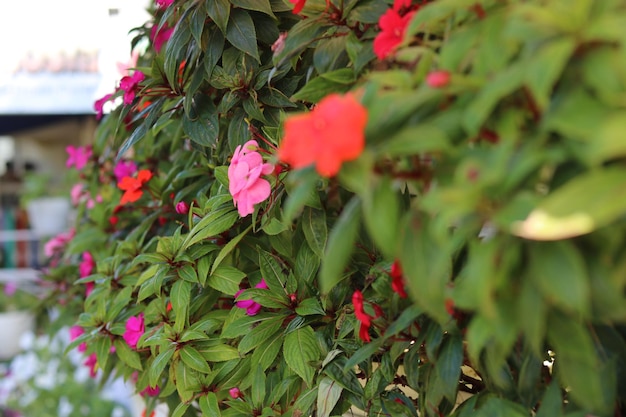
(299, 4)
(333, 132)
(365, 319)
(392, 28)
(132, 186)
(397, 279)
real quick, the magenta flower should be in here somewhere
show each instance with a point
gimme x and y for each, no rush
(164, 4)
(160, 35)
(78, 156)
(75, 332)
(135, 328)
(130, 85)
(123, 169)
(252, 307)
(234, 393)
(150, 391)
(244, 178)
(92, 363)
(182, 208)
(98, 105)
(87, 265)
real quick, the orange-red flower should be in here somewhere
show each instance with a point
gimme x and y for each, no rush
(132, 186)
(397, 279)
(332, 133)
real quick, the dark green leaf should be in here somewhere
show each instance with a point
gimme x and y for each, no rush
(241, 34)
(193, 359)
(300, 350)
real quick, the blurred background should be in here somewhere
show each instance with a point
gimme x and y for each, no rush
(56, 59)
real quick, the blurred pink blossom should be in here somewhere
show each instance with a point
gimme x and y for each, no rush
(78, 156)
(251, 306)
(124, 168)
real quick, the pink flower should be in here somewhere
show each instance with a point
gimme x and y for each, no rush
(134, 330)
(98, 105)
(78, 156)
(91, 203)
(160, 35)
(438, 79)
(244, 178)
(182, 208)
(92, 363)
(130, 85)
(234, 393)
(150, 391)
(57, 243)
(89, 287)
(87, 265)
(75, 332)
(10, 288)
(124, 169)
(163, 4)
(77, 192)
(252, 307)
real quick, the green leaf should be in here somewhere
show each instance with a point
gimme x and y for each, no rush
(381, 212)
(266, 330)
(416, 139)
(262, 6)
(315, 231)
(426, 265)
(545, 67)
(193, 359)
(551, 404)
(310, 307)
(577, 364)
(563, 214)
(219, 12)
(300, 350)
(201, 123)
(340, 245)
(103, 350)
(558, 270)
(180, 409)
(241, 33)
(328, 395)
(272, 272)
(219, 352)
(226, 279)
(180, 297)
(127, 355)
(209, 405)
(188, 273)
(258, 388)
(267, 351)
(215, 222)
(214, 49)
(503, 84)
(228, 248)
(448, 366)
(368, 11)
(330, 54)
(158, 365)
(338, 81)
(307, 264)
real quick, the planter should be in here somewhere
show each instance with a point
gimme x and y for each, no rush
(48, 216)
(13, 324)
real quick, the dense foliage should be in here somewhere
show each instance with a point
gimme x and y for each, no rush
(398, 207)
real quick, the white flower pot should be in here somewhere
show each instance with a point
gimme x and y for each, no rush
(13, 324)
(48, 216)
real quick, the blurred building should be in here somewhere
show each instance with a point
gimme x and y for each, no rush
(56, 59)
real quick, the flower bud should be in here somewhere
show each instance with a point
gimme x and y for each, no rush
(182, 208)
(438, 79)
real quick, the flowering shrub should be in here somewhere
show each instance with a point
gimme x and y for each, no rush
(407, 208)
